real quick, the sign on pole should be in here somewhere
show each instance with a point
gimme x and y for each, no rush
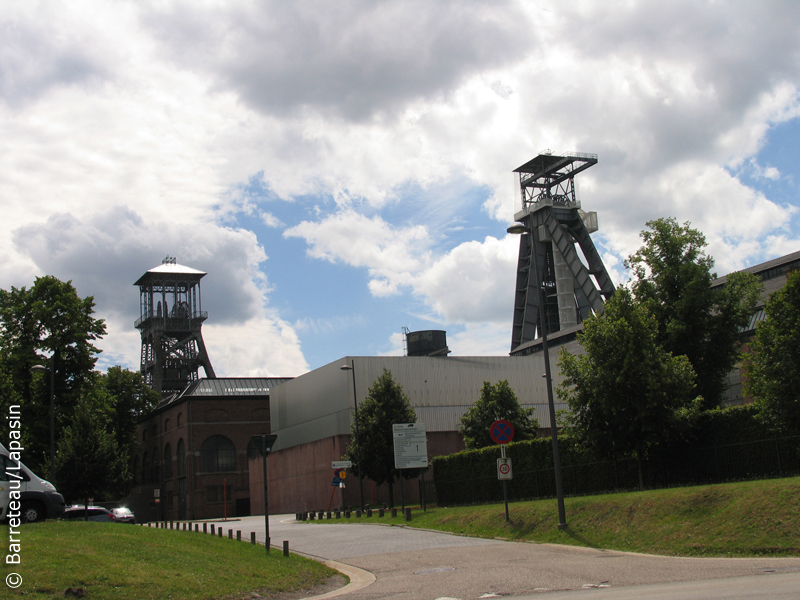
(501, 432)
(341, 464)
(410, 445)
(504, 468)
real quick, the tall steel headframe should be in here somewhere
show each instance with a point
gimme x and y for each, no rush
(170, 320)
(554, 225)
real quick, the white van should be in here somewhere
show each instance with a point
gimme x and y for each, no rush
(23, 494)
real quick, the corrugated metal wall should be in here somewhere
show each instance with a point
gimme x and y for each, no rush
(319, 404)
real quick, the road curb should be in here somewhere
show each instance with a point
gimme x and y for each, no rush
(359, 579)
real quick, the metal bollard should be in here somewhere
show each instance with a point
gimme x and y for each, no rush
(328, 515)
(358, 513)
(338, 514)
(380, 513)
(369, 512)
(408, 513)
(204, 528)
(238, 535)
(212, 529)
(347, 514)
(286, 547)
(230, 534)
(394, 512)
(196, 528)
(219, 531)
(252, 537)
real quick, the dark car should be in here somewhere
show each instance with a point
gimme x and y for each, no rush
(124, 514)
(96, 513)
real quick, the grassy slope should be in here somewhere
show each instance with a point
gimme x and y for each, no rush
(752, 518)
(115, 561)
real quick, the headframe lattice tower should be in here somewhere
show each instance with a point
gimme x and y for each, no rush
(170, 320)
(553, 216)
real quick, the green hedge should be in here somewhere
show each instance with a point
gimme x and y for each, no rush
(725, 445)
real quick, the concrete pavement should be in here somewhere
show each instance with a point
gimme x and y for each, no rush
(414, 564)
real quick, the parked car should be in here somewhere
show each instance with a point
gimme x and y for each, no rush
(96, 513)
(124, 514)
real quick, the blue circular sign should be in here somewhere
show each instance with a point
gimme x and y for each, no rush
(501, 432)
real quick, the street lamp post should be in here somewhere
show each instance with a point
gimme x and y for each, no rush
(352, 368)
(265, 443)
(562, 516)
(51, 369)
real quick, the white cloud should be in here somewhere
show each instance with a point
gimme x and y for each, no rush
(392, 255)
(358, 59)
(474, 282)
(128, 128)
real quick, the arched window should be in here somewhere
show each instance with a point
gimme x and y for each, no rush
(181, 458)
(178, 420)
(166, 424)
(217, 454)
(167, 462)
(145, 469)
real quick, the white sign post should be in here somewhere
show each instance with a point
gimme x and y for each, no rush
(504, 468)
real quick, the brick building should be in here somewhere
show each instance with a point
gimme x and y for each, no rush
(192, 455)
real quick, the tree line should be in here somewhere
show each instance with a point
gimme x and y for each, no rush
(653, 363)
(96, 414)
(659, 354)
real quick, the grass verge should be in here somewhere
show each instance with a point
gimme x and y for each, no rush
(753, 518)
(114, 561)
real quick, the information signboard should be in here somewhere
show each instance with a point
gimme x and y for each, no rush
(410, 445)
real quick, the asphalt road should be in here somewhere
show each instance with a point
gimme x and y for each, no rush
(410, 564)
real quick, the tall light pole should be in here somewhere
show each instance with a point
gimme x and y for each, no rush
(43, 369)
(562, 516)
(352, 368)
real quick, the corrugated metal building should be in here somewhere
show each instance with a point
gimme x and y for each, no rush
(311, 415)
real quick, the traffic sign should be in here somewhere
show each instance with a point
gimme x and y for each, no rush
(504, 468)
(501, 432)
(341, 464)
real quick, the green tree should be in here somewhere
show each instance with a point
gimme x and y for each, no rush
(626, 393)
(385, 405)
(496, 402)
(88, 461)
(672, 276)
(773, 366)
(130, 400)
(49, 319)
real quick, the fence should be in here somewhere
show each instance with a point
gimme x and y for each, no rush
(687, 465)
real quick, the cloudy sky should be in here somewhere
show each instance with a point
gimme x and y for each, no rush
(341, 170)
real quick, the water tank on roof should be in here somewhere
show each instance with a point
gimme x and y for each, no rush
(427, 343)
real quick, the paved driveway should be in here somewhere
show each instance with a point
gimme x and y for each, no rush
(411, 564)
